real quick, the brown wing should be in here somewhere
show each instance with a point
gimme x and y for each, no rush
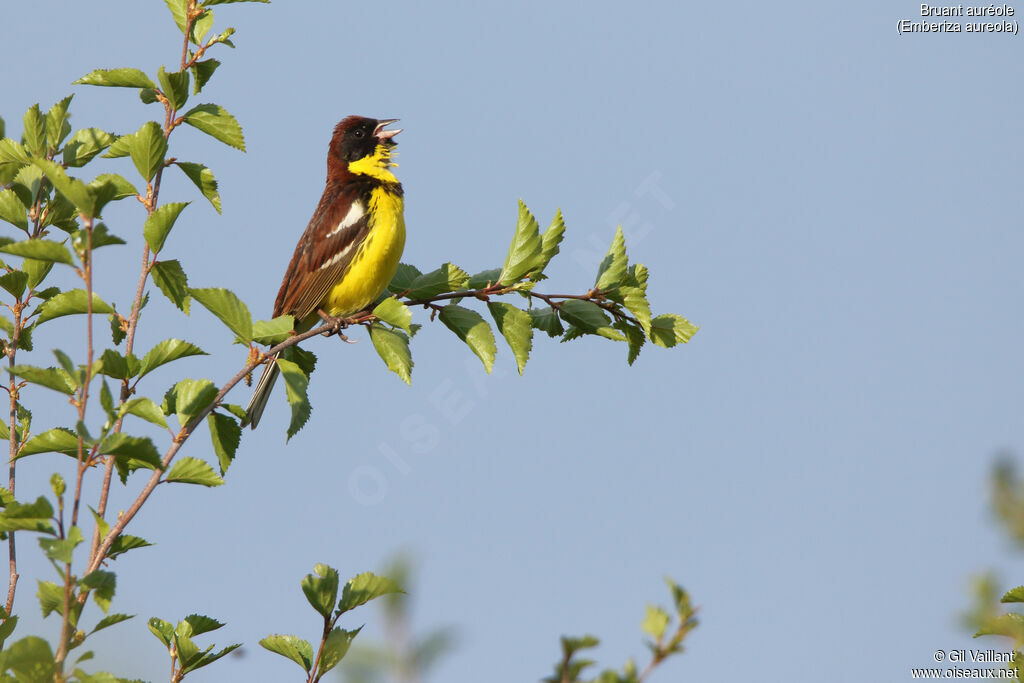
(324, 251)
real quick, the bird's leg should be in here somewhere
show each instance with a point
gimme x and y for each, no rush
(337, 325)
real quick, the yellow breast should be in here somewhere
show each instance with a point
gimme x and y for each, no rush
(376, 260)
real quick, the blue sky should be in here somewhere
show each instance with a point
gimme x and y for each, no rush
(835, 205)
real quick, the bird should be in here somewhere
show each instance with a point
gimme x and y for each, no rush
(351, 247)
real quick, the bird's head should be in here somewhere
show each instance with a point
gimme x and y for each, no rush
(361, 146)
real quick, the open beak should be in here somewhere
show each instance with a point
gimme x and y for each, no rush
(385, 135)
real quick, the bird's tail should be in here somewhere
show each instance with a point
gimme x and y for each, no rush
(261, 394)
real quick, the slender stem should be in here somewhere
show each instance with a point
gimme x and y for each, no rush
(12, 392)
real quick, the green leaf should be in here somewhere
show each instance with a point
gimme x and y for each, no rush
(550, 240)
(188, 470)
(215, 121)
(271, 332)
(484, 278)
(635, 301)
(470, 327)
(403, 278)
(612, 269)
(39, 249)
(321, 588)
(14, 282)
(102, 583)
(162, 630)
(136, 451)
(120, 147)
(172, 281)
(71, 302)
(27, 516)
(365, 587)
(192, 396)
(634, 337)
(670, 329)
(394, 312)
(124, 543)
(57, 126)
(61, 549)
(77, 192)
(588, 317)
(226, 435)
(296, 383)
(57, 440)
(51, 378)
(84, 145)
(110, 620)
(202, 71)
(101, 237)
(12, 210)
(145, 408)
(199, 624)
(174, 86)
(292, 647)
(1014, 595)
(229, 308)
(655, 622)
(203, 179)
(393, 347)
(515, 325)
(336, 647)
(546, 320)
(447, 278)
(113, 364)
(159, 223)
(122, 189)
(34, 131)
(30, 659)
(179, 10)
(118, 78)
(147, 148)
(524, 254)
(117, 334)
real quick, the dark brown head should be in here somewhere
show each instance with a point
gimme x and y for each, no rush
(358, 137)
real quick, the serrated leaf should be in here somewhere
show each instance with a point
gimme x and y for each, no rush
(77, 192)
(110, 620)
(71, 302)
(84, 145)
(484, 278)
(117, 334)
(550, 241)
(57, 126)
(39, 249)
(546, 320)
(121, 187)
(159, 223)
(144, 408)
(203, 179)
(169, 277)
(335, 647)
(28, 516)
(1014, 595)
(403, 278)
(612, 269)
(635, 301)
(634, 337)
(586, 315)
(515, 325)
(162, 630)
(117, 78)
(200, 624)
(147, 148)
(57, 440)
(226, 435)
(12, 210)
(470, 327)
(61, 549)
(524, 254)
(120, 147)
(394, 312)
(393, 348)
(447, 278)
(124, 543)
(102, 584)
(224, 304)
(364, 587)
(51, 598)
(670, 329)
(30, 658)
(296, 384)
(134, 450)
(275, 331)
(174, 86)
(57, 379)
(292, 647)
(321, 588)
(188, 470)
(14, 282)
(192, 396)
(202, 71)
(655, 622)
(34, 131)
(216, 122)
(81, 240)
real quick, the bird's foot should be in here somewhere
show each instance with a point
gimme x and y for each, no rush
(337, 324)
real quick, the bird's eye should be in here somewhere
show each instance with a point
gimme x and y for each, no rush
(358, 132)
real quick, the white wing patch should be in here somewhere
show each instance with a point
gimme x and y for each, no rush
(355, 212)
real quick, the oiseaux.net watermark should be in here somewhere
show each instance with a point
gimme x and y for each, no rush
(977, 664)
